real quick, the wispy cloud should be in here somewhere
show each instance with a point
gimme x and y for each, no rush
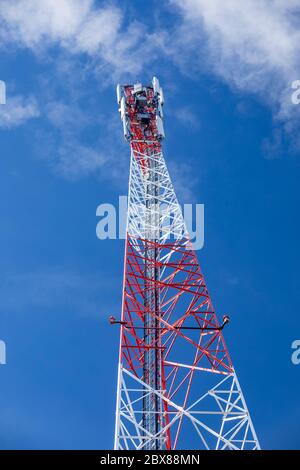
(33, 23)
(250, 44)
(184, 180)
(76, 161)
(78, 39)
(272, 146)
(73, 156)
(48, 288)
(18, 110)
(79, 27)
(253, 45)
(187, 117)
(68, 155)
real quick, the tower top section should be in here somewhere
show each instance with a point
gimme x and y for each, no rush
(141, 112)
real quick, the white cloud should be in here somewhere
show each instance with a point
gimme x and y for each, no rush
(79, 27)
(253, 45)
(100, 29)
(30, 21)
(18, 110)
(90, 38)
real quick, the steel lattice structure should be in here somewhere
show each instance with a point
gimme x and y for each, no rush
(176, 381)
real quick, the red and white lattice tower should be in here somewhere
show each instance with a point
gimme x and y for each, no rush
(177, 387)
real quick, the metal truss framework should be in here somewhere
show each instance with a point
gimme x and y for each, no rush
(176, 384)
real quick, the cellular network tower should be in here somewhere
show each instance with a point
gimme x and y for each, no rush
(177, 387)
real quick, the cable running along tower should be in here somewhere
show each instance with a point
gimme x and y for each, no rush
(176, 381)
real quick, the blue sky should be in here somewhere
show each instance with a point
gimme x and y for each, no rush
(232, 143)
